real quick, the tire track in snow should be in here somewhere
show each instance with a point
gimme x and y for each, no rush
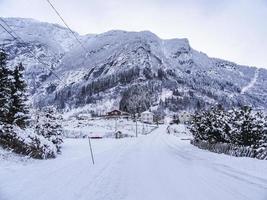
(183, 155)
(224, 169)
(219, 171)
(93, 189)
(108, 181)
(189, 169)
(156, 166)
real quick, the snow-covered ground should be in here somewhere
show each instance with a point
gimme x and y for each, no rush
(179, 130)
(100, 127)
(150, 167)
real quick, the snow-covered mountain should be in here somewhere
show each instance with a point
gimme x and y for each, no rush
(49, 42)
(129, 70)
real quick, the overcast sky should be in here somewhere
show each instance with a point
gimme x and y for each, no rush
(235, 30)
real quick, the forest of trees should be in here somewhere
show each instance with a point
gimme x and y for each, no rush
(139, 97)
(238, 126)
(18, 131)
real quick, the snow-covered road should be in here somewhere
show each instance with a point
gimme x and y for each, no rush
(153, 167)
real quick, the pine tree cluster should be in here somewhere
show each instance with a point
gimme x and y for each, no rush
(15, 131)
(238, 126)
(13, 109)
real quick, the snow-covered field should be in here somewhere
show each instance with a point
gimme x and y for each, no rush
(157, 166)
(100, 127)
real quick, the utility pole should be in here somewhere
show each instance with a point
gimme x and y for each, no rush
(143, 129)
(136, 124)
(92, 155)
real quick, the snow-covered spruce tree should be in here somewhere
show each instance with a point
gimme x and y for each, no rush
(19, 111)
(5, 95)
(211, 125)
(5, 92)
(218, 125)
(14, 133)
(198, 128)
(263, 142)
(246, 128)
(48, 124)
(239, 126)
(261, 126)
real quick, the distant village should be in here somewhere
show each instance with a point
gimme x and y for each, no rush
(148, 117)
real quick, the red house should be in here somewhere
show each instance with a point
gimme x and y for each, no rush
(117, 113)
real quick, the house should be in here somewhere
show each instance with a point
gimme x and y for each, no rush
(185, 117)
(117, 113)
(147, 117)
(114, 113)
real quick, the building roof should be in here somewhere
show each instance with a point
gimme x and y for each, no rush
(117, 111)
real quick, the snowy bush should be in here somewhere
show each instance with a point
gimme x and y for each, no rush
(48, 124)
(239, 126)
(26, 142)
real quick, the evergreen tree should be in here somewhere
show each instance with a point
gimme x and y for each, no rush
(18, 113)
(211, 125)
(263, 142)
(247, 128)
(14, 115)
(239, 126)
(48, 124)
(5, 91)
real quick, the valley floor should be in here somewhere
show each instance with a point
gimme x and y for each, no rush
(153, 167)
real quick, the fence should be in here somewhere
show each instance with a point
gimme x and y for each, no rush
(231, 149)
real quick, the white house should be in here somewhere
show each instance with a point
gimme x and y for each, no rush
(147, 117)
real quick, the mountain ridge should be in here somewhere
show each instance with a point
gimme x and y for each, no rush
(120, 30)
(119, 64)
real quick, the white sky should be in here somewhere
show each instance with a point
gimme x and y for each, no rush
(235, 30)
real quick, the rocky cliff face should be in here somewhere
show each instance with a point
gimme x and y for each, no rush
(130, 70)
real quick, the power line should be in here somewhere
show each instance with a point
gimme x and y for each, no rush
(79, 41)
(11, 30)
(19, 39)
(8, 32)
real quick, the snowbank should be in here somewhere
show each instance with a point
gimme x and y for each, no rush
(28, 143)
